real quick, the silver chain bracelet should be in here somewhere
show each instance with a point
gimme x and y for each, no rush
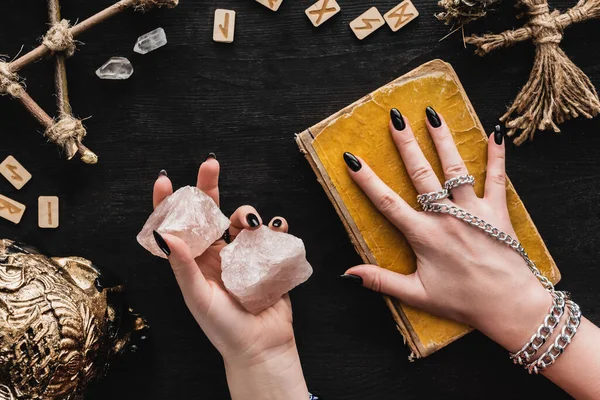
(560, 344)
(545, 330)
(560, 299)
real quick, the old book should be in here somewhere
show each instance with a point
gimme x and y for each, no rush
(362, 128)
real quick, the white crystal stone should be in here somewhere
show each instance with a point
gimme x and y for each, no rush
(150, 41)
(189, 214)
(116, 68)
(261, 266)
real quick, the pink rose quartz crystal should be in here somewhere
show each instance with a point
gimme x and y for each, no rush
(261, 266)
(189, 214)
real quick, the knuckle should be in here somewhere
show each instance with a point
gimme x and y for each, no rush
(501, 156)
(421, 173)
(407, 141)
(367, 180)
(498, 178)
(444, 135)
(387, 202)
(455, 170)
(376, 282)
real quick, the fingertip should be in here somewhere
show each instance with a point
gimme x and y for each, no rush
(497, 136)
(210, 165)
(177, 248)
(434, 119)
(253, 221)
(279, 224)
(360, 270)
(352, 162)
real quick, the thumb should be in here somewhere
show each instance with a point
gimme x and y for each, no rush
(192, 282)
(406, 288)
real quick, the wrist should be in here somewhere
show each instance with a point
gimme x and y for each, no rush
(274, 373)
(517, 319)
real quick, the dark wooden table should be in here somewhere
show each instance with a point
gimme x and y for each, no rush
(245, 102)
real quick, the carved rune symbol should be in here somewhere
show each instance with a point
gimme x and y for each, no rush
(321, 12)
(13, 171)
(11, 208)
(225, 26)
(367, 23)
(401, 14)
(272, 3)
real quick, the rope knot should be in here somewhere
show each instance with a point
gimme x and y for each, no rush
(9, 81)
(60, 39)
(67, 132)
(546, 28)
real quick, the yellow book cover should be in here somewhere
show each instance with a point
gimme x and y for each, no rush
(362, 129)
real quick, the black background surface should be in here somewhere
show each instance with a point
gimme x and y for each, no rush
(245, 102)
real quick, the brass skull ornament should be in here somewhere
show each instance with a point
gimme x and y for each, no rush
(62, 320)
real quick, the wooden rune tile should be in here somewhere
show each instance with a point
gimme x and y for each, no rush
(224, 28)
(272, 5)
(11, 210)
(48, 212)
(367, 23)
(14, 172)
(401, 15)
(322, 11)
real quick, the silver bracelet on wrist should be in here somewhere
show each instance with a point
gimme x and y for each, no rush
(428, 202)
(545, 330)
(562, 341)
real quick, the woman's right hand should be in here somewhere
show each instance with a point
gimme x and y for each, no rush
(259, 351)
(462, 273)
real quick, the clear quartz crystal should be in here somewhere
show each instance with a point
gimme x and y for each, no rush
(150, 41)
(261, 266)
(118, 68)
(189, 214)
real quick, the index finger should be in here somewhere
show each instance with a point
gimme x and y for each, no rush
(395, 209)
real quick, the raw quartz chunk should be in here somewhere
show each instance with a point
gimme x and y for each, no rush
(261, 266)
(189, 214)
(150, 41)
(117, 68)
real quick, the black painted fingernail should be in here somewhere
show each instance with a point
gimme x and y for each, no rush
(397, 119)
(433, 118)
(253, 220)
(277, 223)
(352, 162)
(211, 155)
(352, 278)
(160, 241)
(498, 134)
(162, 173)
(226, 236)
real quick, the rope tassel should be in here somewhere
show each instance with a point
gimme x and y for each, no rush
(557, 90)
